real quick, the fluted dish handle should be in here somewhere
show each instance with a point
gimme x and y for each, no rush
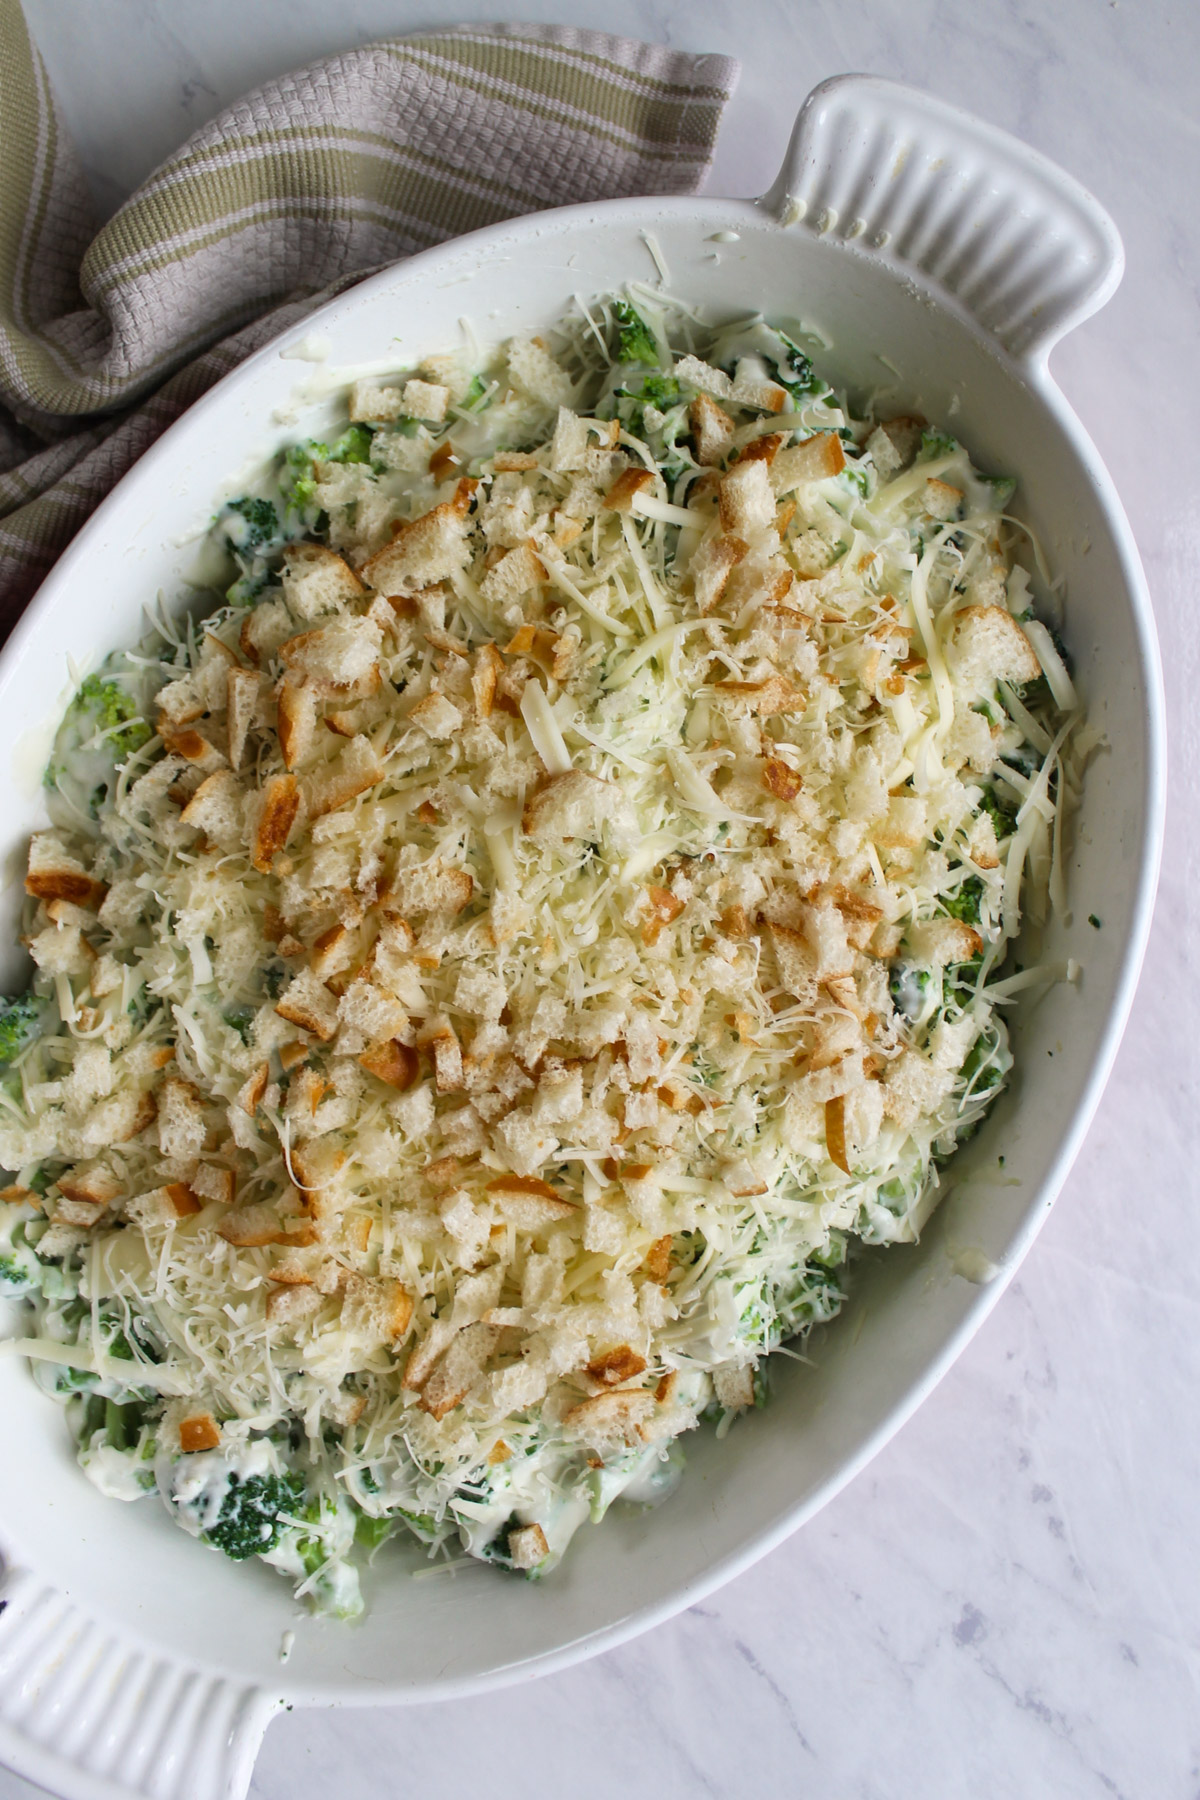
(93, 1717)
(960, 204)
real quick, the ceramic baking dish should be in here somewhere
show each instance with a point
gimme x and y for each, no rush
(939, 259)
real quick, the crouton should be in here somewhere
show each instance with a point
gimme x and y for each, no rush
(277, 815)
(485, 672)
(568, 805)
(264, 628)
(517, 571)
(90, 1186)
(193, 747)
(371, 403)
(733, 1386)
(762, 449)
(942, 941)
(307, 1002)
(766, 698)
(815, 459)
(986, 645)
(336, 783)
(527, 1546)
(377, 1305)
(703, 376)
(431, 887)
(657, 1262)
(796, 962)
(533, 368)
(710, 568)
(616, 1417)
(216, 809)
(437, 716)
(460, 1367)
(433, 548)
(620, 495)
(54, 874)
(211, 1182)
(251, 1227)
(940, 500)
(712, 430)
(338, 659)
(393, 1062)
(250, 1094)
(317, 582)
(199, 1432)
(181, 1128)
(613, 1367)
(749, 389)
(528, 1203)
(243, 689)
(780, 779)
(746, 501)
(426, 400)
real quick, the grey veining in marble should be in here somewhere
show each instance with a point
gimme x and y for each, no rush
(1007, 1602)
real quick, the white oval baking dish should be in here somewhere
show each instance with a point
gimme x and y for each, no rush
(914, 239)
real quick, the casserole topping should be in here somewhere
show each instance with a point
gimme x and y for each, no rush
(494, 969)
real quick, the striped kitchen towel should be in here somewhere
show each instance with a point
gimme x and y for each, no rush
(290, 195)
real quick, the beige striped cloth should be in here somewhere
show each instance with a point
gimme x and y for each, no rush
(290, 195)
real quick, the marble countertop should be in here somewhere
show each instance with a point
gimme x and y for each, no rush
(1007, 1601)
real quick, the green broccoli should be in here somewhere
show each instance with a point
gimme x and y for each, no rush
(935, 444)
(635, 340)
(18, 1272)
(965, 904)
(476, 392)
(354, 446)
(22, 1018)
(1002, 819)
(250, 523)
(115, 713)
(249, 1522)
(370, 1532)
(794, 371)
(909, 988)
(240, 1019)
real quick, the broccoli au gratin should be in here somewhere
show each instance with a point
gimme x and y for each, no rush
(494, 968)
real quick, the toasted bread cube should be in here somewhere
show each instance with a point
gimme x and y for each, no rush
(712, 430)
(568, 805)
(308, 1003)
(987, 645)
(528, 1202)
(336, 783)
(54, 874)
(216, 809)
(433, 548)
(277, 815)
(426, 400)
(630, 482)
(746, 501)
(317, 582)
(527, 1546)
(371, 403)
(200, 1432)
(815, 459)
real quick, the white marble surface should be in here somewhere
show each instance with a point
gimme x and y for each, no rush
(1008, 1601)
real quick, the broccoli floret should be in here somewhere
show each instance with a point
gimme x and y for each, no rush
(354, 446)
(249, 1522)
(22, 1018)
(661, 391)
(794, 371)
(370, 1532)
(635, 340)
(909, 988)
(250, 523)
(240, 1019)
(115, 713)
(1002, 819)
(936, 443)
(965, 904)
(18, 1272)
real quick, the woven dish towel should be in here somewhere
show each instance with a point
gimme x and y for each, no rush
(287, 197)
